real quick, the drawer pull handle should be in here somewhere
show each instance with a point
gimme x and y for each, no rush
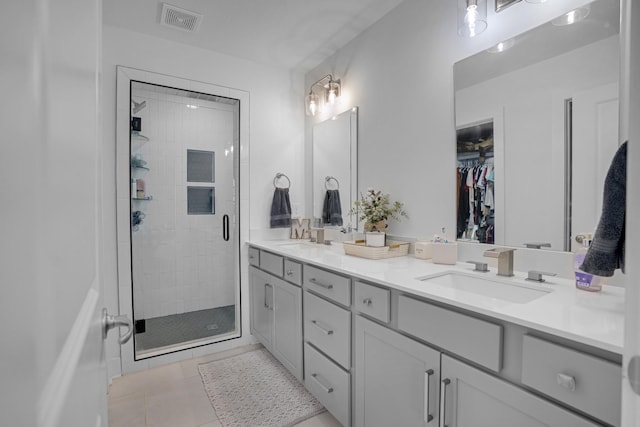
(289, 272)
(322, 285)
(367, 302)
(325, 330)
(322, 386)
(566, 381)
(427, 376)
(266, 304)
(252, 257)
(443, 400)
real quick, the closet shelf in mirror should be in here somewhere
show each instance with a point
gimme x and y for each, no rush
(142, 198)
(140, 167)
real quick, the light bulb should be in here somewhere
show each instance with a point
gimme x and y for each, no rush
(472, 17)
(313, 107)
(332, 96)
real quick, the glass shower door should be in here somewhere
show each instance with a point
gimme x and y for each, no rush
(184, 241)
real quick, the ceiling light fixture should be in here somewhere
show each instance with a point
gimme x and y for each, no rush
(572, 17)
(472, 17)
(331, 89)
(502, 46)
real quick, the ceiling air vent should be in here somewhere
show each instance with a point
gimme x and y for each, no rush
(180, 19)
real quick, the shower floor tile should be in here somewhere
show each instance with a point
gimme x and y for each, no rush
(180, 328)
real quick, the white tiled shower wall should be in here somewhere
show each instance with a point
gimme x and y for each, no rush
(180, 262)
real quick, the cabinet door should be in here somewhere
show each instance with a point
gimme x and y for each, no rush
(261, 306)
(396, 379)
(472, 398)
(287, 326)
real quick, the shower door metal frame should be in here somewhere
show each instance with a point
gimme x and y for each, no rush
(125, 75)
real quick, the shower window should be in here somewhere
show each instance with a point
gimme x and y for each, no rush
(184, 266)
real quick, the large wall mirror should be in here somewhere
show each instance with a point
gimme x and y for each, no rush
(541, 112)
(335, 170)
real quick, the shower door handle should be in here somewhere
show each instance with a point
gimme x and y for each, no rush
(109, 322)
(225, 227)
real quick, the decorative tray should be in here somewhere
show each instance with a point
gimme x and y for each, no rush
(358, 248)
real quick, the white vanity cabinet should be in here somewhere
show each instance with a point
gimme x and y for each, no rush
(396, 378)
(472, 398)
(377, 355)
(400, 381)
(327, 336)
(276, 314)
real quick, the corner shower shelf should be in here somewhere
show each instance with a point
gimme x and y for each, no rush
(137, 141)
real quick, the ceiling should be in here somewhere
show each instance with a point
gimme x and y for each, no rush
(294, 34)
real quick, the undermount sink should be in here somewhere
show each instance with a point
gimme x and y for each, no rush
(487, 286)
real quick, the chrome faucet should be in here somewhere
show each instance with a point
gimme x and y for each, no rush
(505, 260)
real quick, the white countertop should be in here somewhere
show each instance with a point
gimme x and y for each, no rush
(591, 318)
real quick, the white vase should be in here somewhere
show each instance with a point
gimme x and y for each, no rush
(375, 238)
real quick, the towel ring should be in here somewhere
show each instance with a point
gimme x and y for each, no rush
(281, 175)
(329, 178)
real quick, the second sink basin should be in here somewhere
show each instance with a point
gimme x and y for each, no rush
(487, 286)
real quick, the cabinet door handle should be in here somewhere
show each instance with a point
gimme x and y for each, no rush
(325, 330)
(322, 386)
(322, 285)
(566, 381)
(443, 400)
(289, 272)
(427, 386)
(367, 301)
(266, 304)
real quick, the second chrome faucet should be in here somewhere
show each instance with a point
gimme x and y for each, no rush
(505, 260)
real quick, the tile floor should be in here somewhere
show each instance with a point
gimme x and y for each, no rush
(173, 396)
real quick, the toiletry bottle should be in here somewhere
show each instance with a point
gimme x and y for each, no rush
(585, 281)
(134, 188)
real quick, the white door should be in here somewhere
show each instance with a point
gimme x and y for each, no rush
(52, 354)
(631, 122)
(595, 141)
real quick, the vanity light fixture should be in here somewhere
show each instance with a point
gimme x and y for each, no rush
(472, 17)
(572, 17)
(330, 92)
(502, 46)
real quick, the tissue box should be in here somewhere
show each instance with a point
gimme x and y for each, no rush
(423, 250)
(444, 253)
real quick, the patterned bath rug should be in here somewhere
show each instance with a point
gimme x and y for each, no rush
(254, 390)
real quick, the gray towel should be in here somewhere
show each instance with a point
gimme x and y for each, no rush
(281, 208)
(331, 209)
(606, 252)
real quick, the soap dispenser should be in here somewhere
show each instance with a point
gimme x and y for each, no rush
(585, 281)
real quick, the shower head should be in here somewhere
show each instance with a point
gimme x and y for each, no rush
(137, 106)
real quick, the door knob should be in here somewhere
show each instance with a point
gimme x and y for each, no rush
(109, 322)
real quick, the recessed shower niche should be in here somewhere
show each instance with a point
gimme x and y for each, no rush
(183, 167)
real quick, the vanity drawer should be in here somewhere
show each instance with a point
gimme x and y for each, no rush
(328, 284)
(271, 263)
(293, 272)
(328, 327)
(328, 383)
(254, 257)
(474, 339)
(372, 301)
(583, 381)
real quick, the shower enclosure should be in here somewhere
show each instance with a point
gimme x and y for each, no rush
(183, 164)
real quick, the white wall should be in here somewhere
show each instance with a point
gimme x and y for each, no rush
(400, 73)
(276, 137)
